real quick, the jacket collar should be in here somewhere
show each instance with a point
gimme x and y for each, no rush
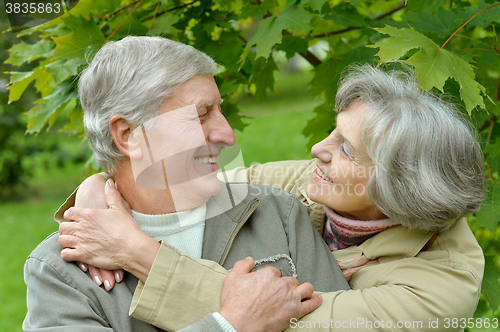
(227, 212)
(392, 243)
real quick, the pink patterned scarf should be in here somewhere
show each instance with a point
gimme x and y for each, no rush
(341, 232)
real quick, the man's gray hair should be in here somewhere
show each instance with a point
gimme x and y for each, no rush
(428, 162)
(132, 77)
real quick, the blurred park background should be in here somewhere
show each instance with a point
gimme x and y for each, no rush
(284, 99)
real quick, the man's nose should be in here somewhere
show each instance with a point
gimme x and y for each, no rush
(221, 131)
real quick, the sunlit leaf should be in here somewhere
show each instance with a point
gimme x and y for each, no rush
(39, 115)
(268, 35)
(44, 81)
(19, 81)
(85, 34)
(22, 52)
(62, 69)
(434, 66)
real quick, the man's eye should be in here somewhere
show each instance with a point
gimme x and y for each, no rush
(343, 150)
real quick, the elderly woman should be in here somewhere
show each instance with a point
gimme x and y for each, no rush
(388, 190)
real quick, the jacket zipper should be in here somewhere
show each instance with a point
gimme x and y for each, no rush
(231, 240)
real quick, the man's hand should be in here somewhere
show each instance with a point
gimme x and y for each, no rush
(263, 300)
(109, 239)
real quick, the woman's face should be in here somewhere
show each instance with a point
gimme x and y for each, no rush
(344, 168)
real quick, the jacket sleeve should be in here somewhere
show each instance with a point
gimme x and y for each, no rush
(195, 284)
(56, 305)
(401, 302)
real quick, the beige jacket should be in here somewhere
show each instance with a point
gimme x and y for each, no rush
(410, 290)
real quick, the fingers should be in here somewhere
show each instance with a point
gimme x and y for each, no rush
(67, 241)
(243, 266)
(113, 198)
(84, 267)
(95, 273)
(108, 279)
(305, 290)
(119, 275)
(310, 304)
(354, 262)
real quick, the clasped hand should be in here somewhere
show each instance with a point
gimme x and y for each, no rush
(108, 239)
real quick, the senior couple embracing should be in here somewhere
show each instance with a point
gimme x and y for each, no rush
(375, 222)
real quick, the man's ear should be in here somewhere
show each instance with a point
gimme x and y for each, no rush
(124, 137)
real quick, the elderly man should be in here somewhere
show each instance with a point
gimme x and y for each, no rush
(152, 116)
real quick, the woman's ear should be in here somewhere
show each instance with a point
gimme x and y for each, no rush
(125, 137)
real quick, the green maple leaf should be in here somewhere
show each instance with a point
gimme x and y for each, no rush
(19, 81)
(356, 2)
(130, 25)
(346, 14)
(164, 25)
(325, 80)
(433, 65)
(22, 52)
(489, 215)
(269, 33)
(433, 5)
(85, 34)
(292, 45)
(40, 114)
(263, 77)
(321, 125)
(62, 69)
(296, 19)
(315, 4)
(442, 23)
(44, 81)
(491, 282)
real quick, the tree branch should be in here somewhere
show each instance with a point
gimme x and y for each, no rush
(154, 15)
(121, 9)
(170, 10)
(123, 21)
(311, 58)
(378, 18)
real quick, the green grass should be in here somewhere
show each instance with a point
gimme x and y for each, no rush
(25, 224)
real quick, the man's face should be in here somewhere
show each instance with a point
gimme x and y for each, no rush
(181, 145)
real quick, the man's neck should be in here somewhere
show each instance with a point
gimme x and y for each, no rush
(147, 201)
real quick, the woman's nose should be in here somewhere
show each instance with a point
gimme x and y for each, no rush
(320, 151)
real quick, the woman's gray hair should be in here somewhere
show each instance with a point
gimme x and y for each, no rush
(132, 77)
(428, 162)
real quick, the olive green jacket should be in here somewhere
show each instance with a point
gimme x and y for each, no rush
(410, 290)
(242, 220)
